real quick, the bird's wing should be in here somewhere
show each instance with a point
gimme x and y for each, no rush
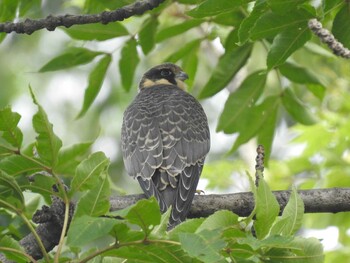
(141, 140)
(184, 130)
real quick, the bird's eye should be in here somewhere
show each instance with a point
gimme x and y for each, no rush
(165, 73)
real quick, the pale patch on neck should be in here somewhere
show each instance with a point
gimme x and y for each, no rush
(181, 84)
(147, 83)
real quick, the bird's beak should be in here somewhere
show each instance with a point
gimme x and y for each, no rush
(181, 76)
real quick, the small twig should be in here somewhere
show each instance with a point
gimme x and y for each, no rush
(259, 167)
(51, 22)
(327, 37)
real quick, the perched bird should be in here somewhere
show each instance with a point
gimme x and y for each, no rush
(165, 138)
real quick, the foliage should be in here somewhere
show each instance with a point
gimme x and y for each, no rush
(261, 51)
(141, 233)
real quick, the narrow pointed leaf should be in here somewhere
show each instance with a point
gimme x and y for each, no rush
(184, 51)
(270, 24)
(128, 63)
(267, 209)
(153, 252)
(96, 78)
(85, 229)
(228, 65)
(205, 246)
(340, 27)
(8, 125)
(147, 35)
(214, 7)
(96, 31)
(9, 242)
(296, 109)
(266, 134)
(252, 123)
(294, 211)
(177, 29)
(10, 188)
(71, 57)
(241, 101)
(145, 213)
(47, 142)
(16, 165)
(95, 202)
(285, 43)
(42, 184)
(284, 6)
(70, 157)
(249, 22)
(89, 171)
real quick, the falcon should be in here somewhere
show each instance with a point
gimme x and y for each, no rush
(165, 139)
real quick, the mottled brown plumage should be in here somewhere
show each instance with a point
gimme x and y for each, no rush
(165, 138)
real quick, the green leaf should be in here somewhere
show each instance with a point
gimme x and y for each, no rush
(241, 101)
(96, 78)
(70, 157)
(184, 51)
(85, 229)
(267, 209)
(303, 76)
(42, 184)
(17, 165)
(10, 188)
(4, 151)
(266, 134)
(284, 6)
(340, 28)
(302, 250)
(69, 58)
(153, 252)
(96, 31)
(9, 242)
(89, 171)
(255, 120)
(248, 22)
(95, 202)
(147, 34)
(189, 226)
(293, 212)
(205, 246)
(228, 65)
(128, 63)
(285, 43)
(296, 109)
(8, 125)
(177, 29)
(47, 142)
(214, 7)
(219, 220)
(270, 24)
(145, 213)
(190, 64)
(298, 74)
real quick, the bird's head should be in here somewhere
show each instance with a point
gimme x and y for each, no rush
(167, 73)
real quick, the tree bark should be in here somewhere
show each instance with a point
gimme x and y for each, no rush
(51, 22)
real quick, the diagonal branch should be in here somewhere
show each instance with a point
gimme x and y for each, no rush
(51, 22)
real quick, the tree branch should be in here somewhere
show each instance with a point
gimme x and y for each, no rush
(51, 22)
(332, 200)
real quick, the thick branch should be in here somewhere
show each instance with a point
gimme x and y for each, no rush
(332, 200)
(51, 22)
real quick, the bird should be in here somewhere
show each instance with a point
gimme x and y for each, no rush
(165, 138)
